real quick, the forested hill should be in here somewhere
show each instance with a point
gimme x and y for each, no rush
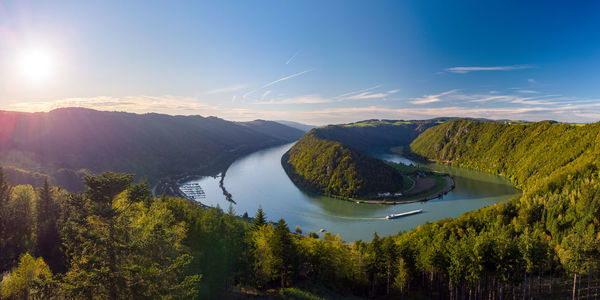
(372, 134)
(330, 168)
(552, 230)
(529, 154)
(69, 142)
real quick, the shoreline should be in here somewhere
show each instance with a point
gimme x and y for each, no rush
(447, 188)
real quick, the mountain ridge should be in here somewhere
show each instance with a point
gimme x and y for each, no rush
(74, 141)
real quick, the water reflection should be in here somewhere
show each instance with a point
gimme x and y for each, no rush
(259, 179)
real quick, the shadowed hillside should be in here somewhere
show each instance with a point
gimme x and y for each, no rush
(372, 134)
(67, 143)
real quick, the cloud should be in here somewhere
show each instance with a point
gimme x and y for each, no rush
(227, 89)
(274, 82)
(453, 103)
(286, 78)
(265, 94)
(528, 92)
(292, 58)
(531, 80)
(359, 91)
(464, 70)
(137, 104)
(366, 94)
(304, 99)
(431, 98)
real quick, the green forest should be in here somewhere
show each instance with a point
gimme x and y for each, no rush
(116, 241)
(333, 169)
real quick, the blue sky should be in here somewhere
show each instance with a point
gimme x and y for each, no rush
(315, 62)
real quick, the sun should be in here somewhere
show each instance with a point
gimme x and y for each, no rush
(36, 65)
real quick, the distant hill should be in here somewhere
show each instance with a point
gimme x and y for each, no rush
(67, 143)
(300, 126)
(369, 134)
(333, 160)
(333, 169)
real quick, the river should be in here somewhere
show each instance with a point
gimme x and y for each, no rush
(259, 179)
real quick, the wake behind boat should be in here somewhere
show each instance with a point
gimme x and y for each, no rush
(408, 213)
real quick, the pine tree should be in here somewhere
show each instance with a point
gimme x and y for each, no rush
(283, 252)
(48, 237)
(259, 219)
(5, 192)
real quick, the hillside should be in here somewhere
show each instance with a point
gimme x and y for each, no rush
(552, 229)
(330, 168)
(300, 126)
(376, 134)
(528, 154)
(68, 142)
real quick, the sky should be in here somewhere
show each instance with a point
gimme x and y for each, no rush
(315, 62)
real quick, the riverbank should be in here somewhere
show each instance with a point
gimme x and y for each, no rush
(416, 197)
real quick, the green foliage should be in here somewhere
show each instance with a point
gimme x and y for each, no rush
(333, 169)
(297, 294)
(259, 220)
(31, 279)
(120, 247)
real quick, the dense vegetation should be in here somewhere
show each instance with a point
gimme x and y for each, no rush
(68, 143)
(552, 229)
(115, 240)
(333, 169)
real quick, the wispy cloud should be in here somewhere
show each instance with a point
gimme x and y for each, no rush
(265, 94)
(138, 104)
(528, 92)
(304, 99)
(366, 94)
(292, 58)
(286, 78)
(464, 70)
(227, 89)
(431, 98)
(316, 109)
(274, 82)
(359, 91)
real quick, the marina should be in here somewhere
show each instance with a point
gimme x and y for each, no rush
(192, 190)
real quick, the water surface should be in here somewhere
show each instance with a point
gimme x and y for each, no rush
(259, 179)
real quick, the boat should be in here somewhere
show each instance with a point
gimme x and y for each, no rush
(408, 213)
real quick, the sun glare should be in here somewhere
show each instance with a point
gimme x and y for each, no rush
(36, 65)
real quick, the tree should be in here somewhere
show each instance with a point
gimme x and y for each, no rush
(122, 247)
(5, 192)
(284, 252)
(259, 219)
(31, 279)
(19, 232)
(390, 253)
(47, 233)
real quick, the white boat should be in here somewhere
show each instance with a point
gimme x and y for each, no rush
(408, 213)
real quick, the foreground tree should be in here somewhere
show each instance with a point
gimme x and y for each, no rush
(31, 279)
(123, 248)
